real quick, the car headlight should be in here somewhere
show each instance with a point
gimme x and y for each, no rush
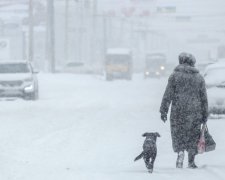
(29, 88)
(162, 67)
(147, 73)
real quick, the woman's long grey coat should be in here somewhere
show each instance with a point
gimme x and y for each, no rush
(187, 93)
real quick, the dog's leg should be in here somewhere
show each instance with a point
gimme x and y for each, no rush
(147, 162)
(146, 159)
(151, 164)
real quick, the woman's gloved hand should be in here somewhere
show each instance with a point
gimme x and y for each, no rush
(164, 117)
(204, 120)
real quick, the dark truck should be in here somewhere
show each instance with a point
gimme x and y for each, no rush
(155, 65)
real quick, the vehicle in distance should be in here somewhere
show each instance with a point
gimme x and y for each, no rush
(155, 65)
(18, 79)
(215, 82)
(118, 64)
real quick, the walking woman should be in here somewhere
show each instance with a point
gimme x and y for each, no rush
(186, 92)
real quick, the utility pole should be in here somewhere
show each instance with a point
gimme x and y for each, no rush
(51, 35)
(31, 32)
(81, 29)
(93, 31)
(105, 38)
(66, 29)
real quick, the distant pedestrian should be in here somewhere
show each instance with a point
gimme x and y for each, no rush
(186, 92)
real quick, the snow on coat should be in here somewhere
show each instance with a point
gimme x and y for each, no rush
(187, 93)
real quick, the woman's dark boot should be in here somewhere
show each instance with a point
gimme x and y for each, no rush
(191, 160)
(180, 159)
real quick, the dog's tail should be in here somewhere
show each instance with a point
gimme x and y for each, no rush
(139, 156)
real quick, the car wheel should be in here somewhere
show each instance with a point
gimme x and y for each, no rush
(36, 95)
(33, 96)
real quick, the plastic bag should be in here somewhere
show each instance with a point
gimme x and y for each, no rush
(206, 143)
(201, 144)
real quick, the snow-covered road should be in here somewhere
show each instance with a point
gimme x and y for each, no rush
(85, 128)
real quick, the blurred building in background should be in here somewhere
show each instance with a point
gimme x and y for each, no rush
(14, 32)
(85, 29)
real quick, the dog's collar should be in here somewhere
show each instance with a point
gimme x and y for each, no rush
(149, 139)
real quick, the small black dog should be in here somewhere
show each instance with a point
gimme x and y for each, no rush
(149, 150)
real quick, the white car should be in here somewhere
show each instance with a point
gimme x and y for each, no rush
(215, 83)
(18, 79)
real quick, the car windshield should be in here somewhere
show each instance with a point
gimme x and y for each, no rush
(118, 59)
(14, 68)
(155, 62)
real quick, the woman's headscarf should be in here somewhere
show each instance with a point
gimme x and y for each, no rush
(187, 58)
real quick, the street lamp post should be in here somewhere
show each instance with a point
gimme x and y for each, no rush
(66, 29)
(94, 31)
(31, 32)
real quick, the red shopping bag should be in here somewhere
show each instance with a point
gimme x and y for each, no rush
(201, 142)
